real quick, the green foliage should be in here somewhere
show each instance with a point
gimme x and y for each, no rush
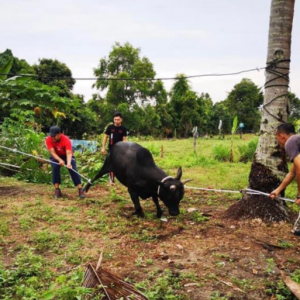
(221, 152)
(234, 125)
(162, 286)
(22, 282)
(48, 68)
(51, 100)
(4, 230)
(124, 62)
(5, 69)
(247, 151)
(294, 116)
(185, 106)
(220, 112)
(20, 135)
(243, 101)
(217, 296)
(19, 66)
(28, 280)
(198, 217)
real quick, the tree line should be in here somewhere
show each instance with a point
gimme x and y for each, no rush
(46, 98)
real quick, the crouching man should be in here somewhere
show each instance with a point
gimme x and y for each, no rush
(60, 148)
(290, 141)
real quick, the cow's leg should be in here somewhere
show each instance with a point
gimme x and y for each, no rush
(135, 199)
(104, 170)
(159, 210)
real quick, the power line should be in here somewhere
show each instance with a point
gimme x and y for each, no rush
(136, 78)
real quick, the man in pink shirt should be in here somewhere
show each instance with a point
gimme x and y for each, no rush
(60, 148)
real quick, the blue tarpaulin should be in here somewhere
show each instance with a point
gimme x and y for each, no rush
(82, 146)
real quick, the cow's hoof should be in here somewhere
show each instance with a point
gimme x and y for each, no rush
(139, 213)
(159, 214)
(86, 188)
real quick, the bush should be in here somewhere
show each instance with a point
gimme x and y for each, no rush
(221, 152)
(247, 151)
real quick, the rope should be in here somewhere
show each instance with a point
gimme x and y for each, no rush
(273, 69)
(12, 170)
(163, 180)
(212, 190)
(9, 165)
(136, 78)
(47, 160)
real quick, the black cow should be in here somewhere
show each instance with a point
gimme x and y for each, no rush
(135, 168)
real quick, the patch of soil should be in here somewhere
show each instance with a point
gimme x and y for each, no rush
(257, 206)
(8, 191)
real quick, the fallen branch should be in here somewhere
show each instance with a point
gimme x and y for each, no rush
(268, 246)
(292, 285)
(231, 285)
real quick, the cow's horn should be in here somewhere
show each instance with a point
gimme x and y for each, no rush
(186, 181)
(173, 187)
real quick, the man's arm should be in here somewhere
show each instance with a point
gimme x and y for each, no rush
(103, 151)
(285, 182)
(296, 164)
(55, 156)
(69, 158)
(124, 138)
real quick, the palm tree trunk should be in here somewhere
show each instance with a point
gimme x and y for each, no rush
(269, 165)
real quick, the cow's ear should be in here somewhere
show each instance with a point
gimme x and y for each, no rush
(179, 173)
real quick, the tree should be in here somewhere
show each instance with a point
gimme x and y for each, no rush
(294, 116)
(184, 106)
(206, 108)
(114, 73)
(243, 101)
(19, 66)
(220, 112)
(269, 164)
(55, 73)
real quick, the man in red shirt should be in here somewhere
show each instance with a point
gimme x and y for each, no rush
(60, 148)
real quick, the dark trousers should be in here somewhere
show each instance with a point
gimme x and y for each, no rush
(56, 171)
(111, 174)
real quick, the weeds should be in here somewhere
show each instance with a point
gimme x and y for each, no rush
(221, 152)
(163, 286)
(247, 151)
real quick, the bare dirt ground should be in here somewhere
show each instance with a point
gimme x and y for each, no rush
(220, 257)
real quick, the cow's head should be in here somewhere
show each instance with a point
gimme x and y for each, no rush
(171, 191)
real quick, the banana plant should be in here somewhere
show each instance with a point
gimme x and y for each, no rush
(233, 130)
(6, 69)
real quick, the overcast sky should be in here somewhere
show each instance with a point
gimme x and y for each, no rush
(191, 37)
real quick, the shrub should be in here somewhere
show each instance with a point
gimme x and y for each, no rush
(247, 151)
(221, 152)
